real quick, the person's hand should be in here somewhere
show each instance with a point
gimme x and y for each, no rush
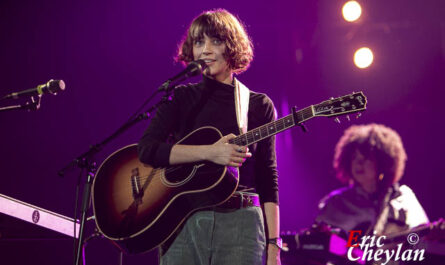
(226, 154)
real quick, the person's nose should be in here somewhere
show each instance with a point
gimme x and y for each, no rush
(207, 49)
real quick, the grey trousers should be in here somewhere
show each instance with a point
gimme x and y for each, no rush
(219, 238)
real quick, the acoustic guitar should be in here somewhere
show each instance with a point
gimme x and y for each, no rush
(139, 207)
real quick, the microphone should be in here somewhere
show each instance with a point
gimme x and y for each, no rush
(51, 87)
(192, 69)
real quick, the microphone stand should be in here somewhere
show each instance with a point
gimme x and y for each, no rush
(33, 105)
(85, 160)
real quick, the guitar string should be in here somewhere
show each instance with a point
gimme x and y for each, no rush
(144, 178)
(167, 170)
(130, 189)
(237, 141)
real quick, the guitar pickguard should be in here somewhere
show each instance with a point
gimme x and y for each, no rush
(180, 175)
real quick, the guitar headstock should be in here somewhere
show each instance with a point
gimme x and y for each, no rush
(437, 230)
(351, 103)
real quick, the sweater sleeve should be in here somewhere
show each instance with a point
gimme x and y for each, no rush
(153, 148)
(266, 173)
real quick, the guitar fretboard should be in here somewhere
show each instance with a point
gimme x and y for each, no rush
(273, 127)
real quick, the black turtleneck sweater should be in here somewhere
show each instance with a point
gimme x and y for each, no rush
(211, 103)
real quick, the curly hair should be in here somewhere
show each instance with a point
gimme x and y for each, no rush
(219, 23)
(373, 141)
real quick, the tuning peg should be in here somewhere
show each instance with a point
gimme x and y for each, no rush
(347, 117)
(358, 115)
(337, 120)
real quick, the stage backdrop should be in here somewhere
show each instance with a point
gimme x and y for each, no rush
(113, 54)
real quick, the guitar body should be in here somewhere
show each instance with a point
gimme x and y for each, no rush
(139, 207)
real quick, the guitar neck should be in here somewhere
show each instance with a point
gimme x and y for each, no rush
(422, 230)
(274, 127)
(333, 107)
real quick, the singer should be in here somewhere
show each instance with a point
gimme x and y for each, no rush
(371, 159)
(236, 231)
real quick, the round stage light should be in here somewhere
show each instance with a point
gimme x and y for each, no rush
(351, 11)
(363, 57)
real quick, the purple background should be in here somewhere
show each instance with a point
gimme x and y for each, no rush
(113, 54)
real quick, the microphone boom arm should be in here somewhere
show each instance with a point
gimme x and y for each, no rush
(33, 105)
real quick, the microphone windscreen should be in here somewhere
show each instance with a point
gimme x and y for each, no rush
(56, 85)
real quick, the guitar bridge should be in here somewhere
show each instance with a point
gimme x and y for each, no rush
(138, 192)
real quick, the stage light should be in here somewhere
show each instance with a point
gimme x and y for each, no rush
(351, 11)
(363, 57)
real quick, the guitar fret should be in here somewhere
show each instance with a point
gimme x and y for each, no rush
(304, 114)
(236, 140)
(263, 131)
(250, 138)
(256, 134)
(280, 124)
(271, 128)
(266, 130)
(301, 116)
(308, 112)
(277, 126)
(244, 139)
(289, 121)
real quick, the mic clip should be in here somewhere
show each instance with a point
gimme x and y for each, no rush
(33, 105)
(193, 68)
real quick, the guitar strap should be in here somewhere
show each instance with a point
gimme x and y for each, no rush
(242, 95)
